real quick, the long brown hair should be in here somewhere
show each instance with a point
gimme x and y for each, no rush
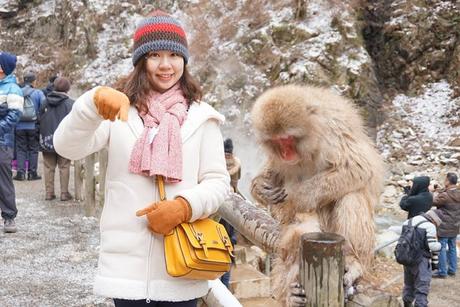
(137, 87)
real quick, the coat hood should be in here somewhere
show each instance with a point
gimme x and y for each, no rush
(56, 98)
(454, 194)
(8, 79)
(420, 184)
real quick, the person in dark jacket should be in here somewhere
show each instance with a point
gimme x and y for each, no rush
(57, 106)
(418, 199)
(11, 107)
(448, 203)
(27, 134)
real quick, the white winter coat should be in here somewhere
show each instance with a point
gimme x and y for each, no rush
(131, 260)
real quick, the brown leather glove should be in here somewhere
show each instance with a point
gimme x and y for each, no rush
(111, 104)
(165, 215)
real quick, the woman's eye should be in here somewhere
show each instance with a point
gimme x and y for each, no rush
(174, 54)
(153, 55)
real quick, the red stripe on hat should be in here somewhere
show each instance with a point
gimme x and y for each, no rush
(167, 27)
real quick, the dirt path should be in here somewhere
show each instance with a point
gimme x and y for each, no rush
(389, 275)
(52, 258)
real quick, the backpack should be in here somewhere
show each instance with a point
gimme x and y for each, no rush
(412, 244)
(29, 114)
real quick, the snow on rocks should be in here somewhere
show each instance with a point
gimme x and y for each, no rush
(418, 137)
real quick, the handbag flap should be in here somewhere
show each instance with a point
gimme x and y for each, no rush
(207, 232)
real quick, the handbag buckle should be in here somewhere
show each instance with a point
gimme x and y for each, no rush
(200, 237)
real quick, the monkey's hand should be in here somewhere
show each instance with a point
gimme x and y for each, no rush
(297, 296)
(274, 195)
(268, 189)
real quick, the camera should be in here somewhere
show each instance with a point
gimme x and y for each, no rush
(434, 261)
(407, 189)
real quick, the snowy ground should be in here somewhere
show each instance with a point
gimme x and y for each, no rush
(52, 258)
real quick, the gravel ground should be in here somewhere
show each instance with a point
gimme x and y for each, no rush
(52, 258)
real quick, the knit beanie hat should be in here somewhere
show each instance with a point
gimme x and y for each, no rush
(29, 77)
(159, 31)
(228, 146)
(7, 62)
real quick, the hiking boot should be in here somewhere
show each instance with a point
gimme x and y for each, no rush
(451, 274)
(66, 196)
(33, 176)
(50, 196)
(20, 176)
(407, 304)
(439, 276)
(9, 226)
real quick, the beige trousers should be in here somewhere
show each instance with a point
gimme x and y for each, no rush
(51, 159)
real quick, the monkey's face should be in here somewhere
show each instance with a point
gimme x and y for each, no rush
(285, 148)
(285, 121)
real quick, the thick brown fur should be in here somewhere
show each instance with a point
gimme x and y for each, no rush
(336, 183)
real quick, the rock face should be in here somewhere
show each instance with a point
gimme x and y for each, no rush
(50, 36)
(379, 53)
(414, 42)
(419, 137)
(237, 53)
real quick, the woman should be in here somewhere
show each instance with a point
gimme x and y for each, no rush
(163, 131)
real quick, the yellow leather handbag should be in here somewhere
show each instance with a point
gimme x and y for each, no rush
(198, 250)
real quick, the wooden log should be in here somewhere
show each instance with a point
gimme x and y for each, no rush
(90, 191)
(252, 222)
(322, 269)
(79, 175)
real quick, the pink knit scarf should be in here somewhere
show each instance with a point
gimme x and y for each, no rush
(158, 151)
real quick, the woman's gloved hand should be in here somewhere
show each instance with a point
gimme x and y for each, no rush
(111, 104)
(165, 215)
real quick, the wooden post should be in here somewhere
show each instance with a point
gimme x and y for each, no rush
(78, 179)
(90, 201)
(322, 269)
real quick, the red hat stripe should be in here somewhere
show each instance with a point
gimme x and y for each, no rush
(158, 27)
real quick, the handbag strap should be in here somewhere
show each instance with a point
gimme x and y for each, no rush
(161, 187)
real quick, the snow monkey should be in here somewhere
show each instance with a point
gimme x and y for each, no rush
(323, 173)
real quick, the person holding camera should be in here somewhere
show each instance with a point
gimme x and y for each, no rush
(418, 198)
(448, 203)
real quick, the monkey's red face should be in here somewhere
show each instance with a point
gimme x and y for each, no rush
(286, 147)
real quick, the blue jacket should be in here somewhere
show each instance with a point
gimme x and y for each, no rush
(11, 103)
(39, 99)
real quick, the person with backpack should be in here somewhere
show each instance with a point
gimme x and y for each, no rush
(10, 112)
(27, 131)
(448, 203)
(57, 105)
(418, 199)
(416, 246)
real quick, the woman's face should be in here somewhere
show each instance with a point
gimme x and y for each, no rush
(164, 69)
